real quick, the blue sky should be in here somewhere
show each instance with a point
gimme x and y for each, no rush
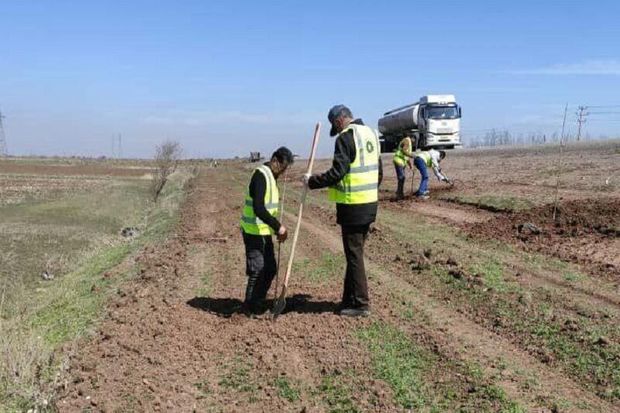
(225, 78)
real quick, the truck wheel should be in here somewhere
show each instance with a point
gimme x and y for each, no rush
(421, 142)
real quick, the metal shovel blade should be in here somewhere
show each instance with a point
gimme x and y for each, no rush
(280, 304)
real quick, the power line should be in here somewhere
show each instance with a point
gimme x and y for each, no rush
(603, 106)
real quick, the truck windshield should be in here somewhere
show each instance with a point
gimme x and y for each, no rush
(442, 112)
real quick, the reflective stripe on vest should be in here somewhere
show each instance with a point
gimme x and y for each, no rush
(400, 158)
(250, 223)
(426, 157)
(360, 184)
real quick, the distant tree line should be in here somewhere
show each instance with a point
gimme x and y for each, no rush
(503, 137)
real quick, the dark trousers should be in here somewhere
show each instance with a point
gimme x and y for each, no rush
(260, 267)
(355, 294)
(400, 175)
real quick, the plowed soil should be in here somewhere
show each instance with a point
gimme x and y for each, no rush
(498, 329)
(583, 231)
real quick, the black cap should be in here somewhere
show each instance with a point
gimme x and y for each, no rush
(283, 155)
(336, 112)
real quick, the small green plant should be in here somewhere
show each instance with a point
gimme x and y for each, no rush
(238, 378)
(286, 390)
(573, 276)
(203, 389)
(336, 395)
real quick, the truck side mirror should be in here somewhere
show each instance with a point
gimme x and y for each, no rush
(460, 112)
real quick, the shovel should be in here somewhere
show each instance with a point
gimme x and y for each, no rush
(280, 303)
(275, 290)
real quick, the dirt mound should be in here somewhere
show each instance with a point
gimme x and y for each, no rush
(583, 231)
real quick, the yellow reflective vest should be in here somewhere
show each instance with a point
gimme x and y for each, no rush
(361, 184)
(426, 156)
(400, 158)
(250, 223)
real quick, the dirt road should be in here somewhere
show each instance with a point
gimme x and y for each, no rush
(460, 322)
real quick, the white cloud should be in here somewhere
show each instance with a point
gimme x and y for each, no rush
(609, 67)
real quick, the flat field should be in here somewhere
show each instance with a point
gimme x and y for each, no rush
(53, 215)
(62, 219)
(481, 300)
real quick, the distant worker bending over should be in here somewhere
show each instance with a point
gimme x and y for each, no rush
(258, 224)
(428, 159)
(402, 158)
(353, 182)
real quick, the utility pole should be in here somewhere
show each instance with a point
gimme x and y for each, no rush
(581, 119)
(120, 146)
(3, 148)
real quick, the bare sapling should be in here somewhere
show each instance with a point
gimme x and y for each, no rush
(559, 167)
(167, 156)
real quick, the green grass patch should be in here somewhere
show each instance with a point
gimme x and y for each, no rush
(573, 276)
(493, 202)
(497, 394)
(336, 395)
(398, 362)
(204, 389)
(286, 389)
(238, 378)
(320, 270)
(492, 273)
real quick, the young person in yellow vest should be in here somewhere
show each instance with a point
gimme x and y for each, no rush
(258, 223)
(424, 160)
(353, 183)
(402, 158)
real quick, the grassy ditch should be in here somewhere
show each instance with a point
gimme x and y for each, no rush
(38, 317)
(494, 203)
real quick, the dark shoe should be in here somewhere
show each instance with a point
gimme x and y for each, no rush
(355, 312)
(341, 306)
(252, 309)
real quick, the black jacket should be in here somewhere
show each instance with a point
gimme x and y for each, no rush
(344, 155)
(258, 187)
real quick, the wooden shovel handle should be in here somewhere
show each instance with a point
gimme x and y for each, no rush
(289, 268)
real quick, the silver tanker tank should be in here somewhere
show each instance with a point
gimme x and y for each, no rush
(398, 120)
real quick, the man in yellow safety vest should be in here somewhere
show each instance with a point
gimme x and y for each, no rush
(258, 223)
(353, 182)
(402, 158)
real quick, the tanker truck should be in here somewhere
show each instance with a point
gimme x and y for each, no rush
(432, 122)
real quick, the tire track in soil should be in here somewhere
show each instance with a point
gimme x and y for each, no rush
(467, 340)
(161, 348)
(437, 210)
